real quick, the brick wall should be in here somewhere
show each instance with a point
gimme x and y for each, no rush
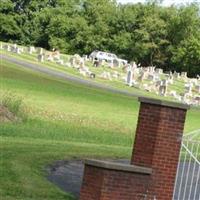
(106, 184)
(157, 147)
(157, 144)
(92, 183)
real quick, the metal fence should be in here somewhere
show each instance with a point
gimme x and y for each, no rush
(187, 185)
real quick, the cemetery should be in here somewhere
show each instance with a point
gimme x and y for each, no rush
(66, 127)
(100, 100)
(176, 86)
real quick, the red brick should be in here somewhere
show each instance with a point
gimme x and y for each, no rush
(157, 145)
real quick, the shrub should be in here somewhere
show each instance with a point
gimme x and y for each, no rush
(14, 104)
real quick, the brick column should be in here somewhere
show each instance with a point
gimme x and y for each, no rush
(154, 161)
(114, 181)
(158, 142)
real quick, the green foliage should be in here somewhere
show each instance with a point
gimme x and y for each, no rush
(188, 54)
(8, 28)
(146, 33)
(14, 103)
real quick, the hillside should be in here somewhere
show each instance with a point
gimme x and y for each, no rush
(63, 120)
(141, 81)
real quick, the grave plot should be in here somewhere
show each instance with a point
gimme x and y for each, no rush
(129, 76)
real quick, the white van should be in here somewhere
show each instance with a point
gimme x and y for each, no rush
(108, 57)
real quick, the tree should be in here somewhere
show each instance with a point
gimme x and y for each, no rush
(150, 34)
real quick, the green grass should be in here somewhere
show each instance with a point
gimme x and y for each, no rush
(64, 121)
(119, 84)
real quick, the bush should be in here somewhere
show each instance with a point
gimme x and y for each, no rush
(14, 103)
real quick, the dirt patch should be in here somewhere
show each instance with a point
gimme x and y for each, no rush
(67, 175)
(6, 115)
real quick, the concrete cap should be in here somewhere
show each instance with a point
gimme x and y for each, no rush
(118, 166)
(164, 103)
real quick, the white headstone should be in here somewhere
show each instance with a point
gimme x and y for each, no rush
(134, 65)
(41, 58)
(8, 48)
(151, 77)
(50, 58)
(106, 75)
(163, 87)
(40, 51)
(68, 64)
(116, 63)
(60, 62)
(141, 75)
(85, 58)
(197, 87)
(176, 75)
(81, 63)
(188, 88)
(184, 74)
(129, 78)
(173, 93)
(159, 71)
(30, 50)
(18, 50)
(111, 64)
(197, 100)
(116, 74)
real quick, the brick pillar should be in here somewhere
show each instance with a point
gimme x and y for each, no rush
(114, 181)
(158, 142)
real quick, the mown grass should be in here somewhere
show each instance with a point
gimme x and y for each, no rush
(115, 83)
(64, 121)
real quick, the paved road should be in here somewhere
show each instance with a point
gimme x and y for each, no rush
(54, 73)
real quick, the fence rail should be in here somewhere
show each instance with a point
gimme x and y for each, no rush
(187, 185)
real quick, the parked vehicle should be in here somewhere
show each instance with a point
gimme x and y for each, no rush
(108, 57)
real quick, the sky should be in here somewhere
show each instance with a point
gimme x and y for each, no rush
(165, 2)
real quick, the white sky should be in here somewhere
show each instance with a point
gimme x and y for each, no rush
(165, 2)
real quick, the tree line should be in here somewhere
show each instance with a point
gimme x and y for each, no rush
(167, 37)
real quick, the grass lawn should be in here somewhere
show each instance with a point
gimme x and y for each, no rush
(65, 121)
(178, 85)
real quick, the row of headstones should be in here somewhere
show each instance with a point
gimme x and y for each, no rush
(12, 48)
(16, 49)
(75, 61)
(42, 55)
(161, 86)
(153, 75)
(150, 73)
(156, 85)
(30, 50)
(79, 63)
(154, 72)
(115, 63)
(111, 64)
